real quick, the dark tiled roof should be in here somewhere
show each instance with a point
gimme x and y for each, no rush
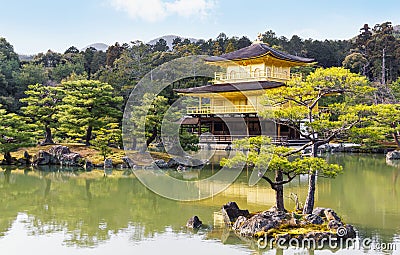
(189, 121)
(256, 50)
(228, 87)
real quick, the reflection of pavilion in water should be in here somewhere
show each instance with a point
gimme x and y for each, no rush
(259, 194)
(255, 196)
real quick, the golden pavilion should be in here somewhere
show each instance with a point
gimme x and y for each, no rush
(236, 93)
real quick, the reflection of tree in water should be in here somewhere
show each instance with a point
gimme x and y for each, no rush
(396, 164)
(91, 210)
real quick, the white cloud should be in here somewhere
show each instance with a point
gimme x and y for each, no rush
(156, 10)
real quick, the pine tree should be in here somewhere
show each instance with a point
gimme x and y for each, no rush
(301, 99)
(42, 102)
(87, 107)
(14, 133)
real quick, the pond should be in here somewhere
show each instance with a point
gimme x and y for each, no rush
(63, 212)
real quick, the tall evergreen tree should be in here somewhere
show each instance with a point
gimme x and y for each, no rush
(42, 102)
(14, 133)
(9, 66)
(87, 106)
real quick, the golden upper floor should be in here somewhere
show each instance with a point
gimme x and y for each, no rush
(257, 62)
(248, 72)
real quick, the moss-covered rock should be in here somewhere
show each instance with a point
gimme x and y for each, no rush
(322, 224)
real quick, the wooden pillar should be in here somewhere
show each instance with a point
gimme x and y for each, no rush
(279, 130)
(212, 126)
(247, 126)
(199, 130)
(199, 110)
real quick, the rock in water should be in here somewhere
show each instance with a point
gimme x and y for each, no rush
(314, 219)
(172, 163)
(231, 212)
(108, 163)
(331, 215)
(88, 165)
(59, 151)
(334, 224)
(42, 158)
(350, 232)
(393, 155)
(319, 211)
(239, 222)
(259, 222)
(194, 223)
(161, 163)
(58, 155)
(128, 161)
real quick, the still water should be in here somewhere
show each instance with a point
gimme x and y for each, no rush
(63, 212)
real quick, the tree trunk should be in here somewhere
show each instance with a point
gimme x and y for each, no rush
(279, 191)
(48, 187)
(396, 139)
(309, 204)
(8, 158)
(152, 137)
(49, 137)
(88, 135)
(7, 174)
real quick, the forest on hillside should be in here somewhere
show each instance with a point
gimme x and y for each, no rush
(49, 89)
(124, 64)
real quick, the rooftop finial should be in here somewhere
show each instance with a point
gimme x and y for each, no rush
(259, 38)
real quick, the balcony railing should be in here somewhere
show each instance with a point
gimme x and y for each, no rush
(221, 77)
(277, 140)
(221, 109)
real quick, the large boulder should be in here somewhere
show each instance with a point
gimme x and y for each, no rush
(128, 161)
(239, 222)
(161, 163)
(331, 215)
(188, 161)
(263, 221)
(88, 165)
(257, 223)
(58, 155)
(393, 155)
(314, 219)
(108, 163)
(350, 232)
(320, 211)
(42, 158)
(194, 223)
(58, 151)
(72, 159)
(231, 212)
(172, 163)
(334, 224)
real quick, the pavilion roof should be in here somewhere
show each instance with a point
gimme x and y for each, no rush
(257, 50)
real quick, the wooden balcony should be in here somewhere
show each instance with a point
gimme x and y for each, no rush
(222, 77)
(277, 140)
(222, 109)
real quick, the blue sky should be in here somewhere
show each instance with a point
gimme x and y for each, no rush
(34, 26)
